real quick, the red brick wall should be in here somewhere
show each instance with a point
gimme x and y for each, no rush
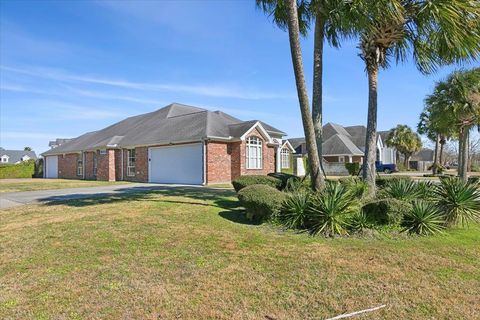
(219, 162)
(141, 165)
(89, 166)
(67, 166)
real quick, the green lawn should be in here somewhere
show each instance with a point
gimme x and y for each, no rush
(189, 254)
(14, 185)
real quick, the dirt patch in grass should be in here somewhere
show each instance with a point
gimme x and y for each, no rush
(190, 254)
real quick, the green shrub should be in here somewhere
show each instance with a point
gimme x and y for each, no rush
(386, 211)
(353, 168)
(284, 178)
(357, 187)
(474, 179)
(295, 209)
(423, 219)
(21, 170)
(401, 189)
(359, 221)
(261, 201)
(426, 190)
(458, 200)
(383, 180)
(244, 181)
(330, 210)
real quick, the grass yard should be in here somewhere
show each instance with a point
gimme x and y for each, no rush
(15, 185)
(189, 254)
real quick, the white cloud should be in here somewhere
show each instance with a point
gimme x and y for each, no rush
(212, 90)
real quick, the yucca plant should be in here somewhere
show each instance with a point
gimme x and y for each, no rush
(423, 219)
(358, 188)
(294, 211)
(330, 210)
(359, 221)
(405, 190)
(459, 201)
(426, 190)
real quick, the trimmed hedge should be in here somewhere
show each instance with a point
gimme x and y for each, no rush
(353, 168)
(386, 211)
(21, 170)
(382, 181)
(261, 201)
(245, 181)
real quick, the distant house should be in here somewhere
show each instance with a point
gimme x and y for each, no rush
(422, 160)
(175, 144)
(57, 142)
(16, 156)
(346, 144)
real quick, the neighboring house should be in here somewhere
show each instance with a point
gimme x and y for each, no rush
(422, 160)
(175, 144)
(16, 156)
(346, 144)
(57, 142)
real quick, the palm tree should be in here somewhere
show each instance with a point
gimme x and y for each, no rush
(455, 104)
(436, 32)
(295, 17)
(405, 140)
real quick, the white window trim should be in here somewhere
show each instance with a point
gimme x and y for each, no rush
(130, 167)
(254, 143)
(5, 159)
(79, 167)
(285, 158)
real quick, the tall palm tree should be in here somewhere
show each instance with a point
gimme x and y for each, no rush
(295, 17)
(436, 32)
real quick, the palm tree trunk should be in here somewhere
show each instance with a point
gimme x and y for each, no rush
(442, 144)
(435, 156)
(371, 139)
(297, 61)
(465, 150)
(317, 103)
(460, 152)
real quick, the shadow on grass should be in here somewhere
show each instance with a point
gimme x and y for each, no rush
(224, 199)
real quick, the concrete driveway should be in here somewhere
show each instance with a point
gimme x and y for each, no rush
(14, 199)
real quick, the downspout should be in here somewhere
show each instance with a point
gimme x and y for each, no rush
(121, 151)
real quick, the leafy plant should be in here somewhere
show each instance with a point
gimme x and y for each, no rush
(359, 221)
(294, 212)
(244, 181)
(261, 201)
(353, 168)
(330, 209)
(358, 188)
(383, 180)
(294, 185)
(458, 200)
(388, 211)
(284, 178)
(401, 189)
(426, 190)
(423, 219)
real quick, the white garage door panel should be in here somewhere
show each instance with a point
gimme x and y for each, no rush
(176, 164)
(51, 167)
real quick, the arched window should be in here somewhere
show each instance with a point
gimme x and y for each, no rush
(285, 157)
(254, 153)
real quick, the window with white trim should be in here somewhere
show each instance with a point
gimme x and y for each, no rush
(341, 159)
(5, 159)
(95, 163)
(131, 157)
(285, 158)
(254, 153)
(80, 165)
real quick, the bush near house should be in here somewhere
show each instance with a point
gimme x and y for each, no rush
(284, 178)
(353, 168)
(21, 170)
(345, 207)
(261, 201)
(383, 180)
(245, 181)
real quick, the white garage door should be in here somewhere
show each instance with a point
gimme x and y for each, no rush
(176, 164)
(51, 167)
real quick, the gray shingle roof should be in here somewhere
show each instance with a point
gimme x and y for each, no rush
(340, 144)
(424, 155)
(15, 156)
(173, 123)
(296, 142)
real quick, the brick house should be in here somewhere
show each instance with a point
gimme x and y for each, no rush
(175, 144)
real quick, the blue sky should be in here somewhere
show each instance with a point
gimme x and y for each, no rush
(69, 67)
